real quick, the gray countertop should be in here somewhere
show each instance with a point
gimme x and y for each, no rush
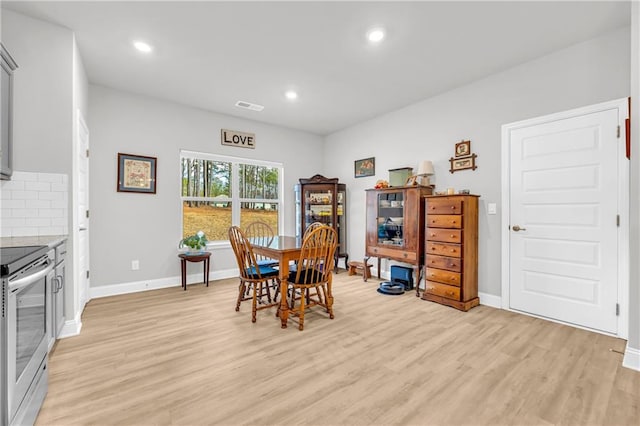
(43, 240)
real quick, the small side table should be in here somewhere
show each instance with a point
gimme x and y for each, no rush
(184, 258)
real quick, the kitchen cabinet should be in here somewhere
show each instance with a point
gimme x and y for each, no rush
(324, 200)
(395, 226)
(55, 315)
(451, 251)
(8, 65)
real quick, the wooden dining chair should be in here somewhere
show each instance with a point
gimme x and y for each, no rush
(313, 277)
(310, 228)
(261, 233)
(255, 281)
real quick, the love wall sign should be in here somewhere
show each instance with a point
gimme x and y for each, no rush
(238, 139)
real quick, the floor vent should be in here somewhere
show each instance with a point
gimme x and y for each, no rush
(249, 105)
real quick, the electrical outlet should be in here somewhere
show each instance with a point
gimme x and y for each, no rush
(135, 265)
(491, 208)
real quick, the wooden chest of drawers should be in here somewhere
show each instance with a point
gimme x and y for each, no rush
(451, 250)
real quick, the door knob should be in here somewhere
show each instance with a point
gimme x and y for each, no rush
(517, 228)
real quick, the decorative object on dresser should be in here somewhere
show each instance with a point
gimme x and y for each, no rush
(324, 200)
(451, 251)
(425, 169)
(399, 177)
(395, 218)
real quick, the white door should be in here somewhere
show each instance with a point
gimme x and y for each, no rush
(83, 211)
(564, 207)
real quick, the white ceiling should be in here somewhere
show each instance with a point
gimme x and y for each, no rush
(211, 54)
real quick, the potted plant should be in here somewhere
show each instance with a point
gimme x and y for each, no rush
(195, 243)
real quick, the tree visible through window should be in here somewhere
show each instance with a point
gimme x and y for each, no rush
(218, 192)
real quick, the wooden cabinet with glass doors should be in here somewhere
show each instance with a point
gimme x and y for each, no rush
(324, 200)
(395, 230)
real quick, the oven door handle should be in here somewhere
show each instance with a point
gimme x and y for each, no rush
(30, 279)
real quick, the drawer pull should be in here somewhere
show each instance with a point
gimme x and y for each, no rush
(453, 221)
(433, 261)
(433, 248)
(453, 207)
(453, 250)
(433, 235)
(452, 235)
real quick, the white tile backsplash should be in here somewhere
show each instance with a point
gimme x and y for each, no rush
(33, 204)
(38, 186)
(51, 177)
(24, 176)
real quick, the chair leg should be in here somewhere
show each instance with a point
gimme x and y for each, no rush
(329, 302)
(276, 293)
(301, 316)
(322, 295)
(241, 291)
(254, 308)
(267, 288)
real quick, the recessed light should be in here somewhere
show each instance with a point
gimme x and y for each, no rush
(142, 46)
(290, 94)
(375, 35)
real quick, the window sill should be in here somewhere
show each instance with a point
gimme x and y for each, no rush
(218, 245)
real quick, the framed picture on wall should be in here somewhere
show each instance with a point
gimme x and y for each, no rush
(463, 149)
(465, 163)
(365, 167)
(136, 173)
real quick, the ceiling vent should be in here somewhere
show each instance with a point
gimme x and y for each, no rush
(249, 105)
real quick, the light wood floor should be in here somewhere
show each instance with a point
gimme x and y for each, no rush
(175, 357)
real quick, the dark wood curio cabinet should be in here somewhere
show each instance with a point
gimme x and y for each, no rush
(395, 225)
(324, 200)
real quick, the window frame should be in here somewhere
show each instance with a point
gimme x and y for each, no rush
(235, 199)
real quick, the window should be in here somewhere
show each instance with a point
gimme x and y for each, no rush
(219, 191)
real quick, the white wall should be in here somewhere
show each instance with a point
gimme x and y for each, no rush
(42, 131)
(587, 73)
(632, 355)
(147, 227)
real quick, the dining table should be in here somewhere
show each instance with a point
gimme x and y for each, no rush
(284, 249)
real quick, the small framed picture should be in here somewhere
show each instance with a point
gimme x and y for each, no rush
(136, 173)
(465, 163)
(463, 149)
(365, 167)
(411, 181)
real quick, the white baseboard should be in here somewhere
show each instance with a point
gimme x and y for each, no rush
(71, 327)
(137, 286)
(490, 300)
(631, 358)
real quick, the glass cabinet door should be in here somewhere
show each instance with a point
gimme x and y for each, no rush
(341, 209)
(390, 219)
(318, 207)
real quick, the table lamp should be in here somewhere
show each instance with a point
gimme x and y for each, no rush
(425, 169)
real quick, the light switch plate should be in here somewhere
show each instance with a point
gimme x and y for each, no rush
(491, 208)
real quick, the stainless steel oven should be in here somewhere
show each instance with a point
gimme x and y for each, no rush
(26, 274)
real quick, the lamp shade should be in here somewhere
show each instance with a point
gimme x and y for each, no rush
(425, 168)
